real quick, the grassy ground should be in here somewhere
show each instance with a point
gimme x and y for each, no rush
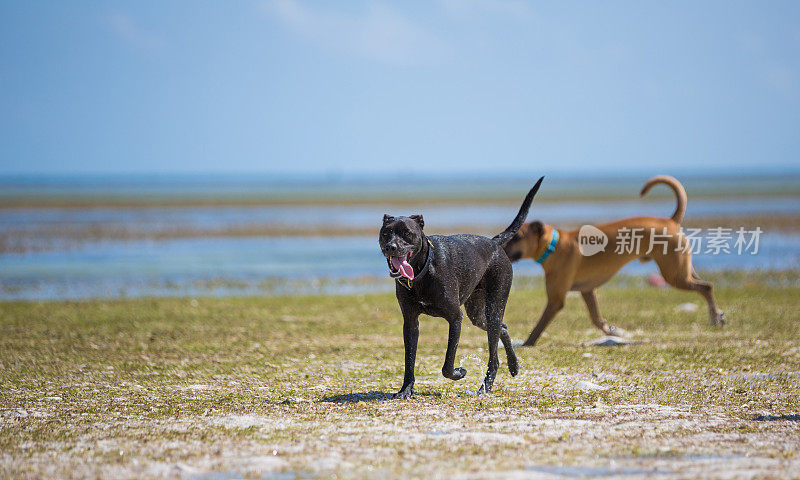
(293, 388)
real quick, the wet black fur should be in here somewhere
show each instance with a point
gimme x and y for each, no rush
(468, 270)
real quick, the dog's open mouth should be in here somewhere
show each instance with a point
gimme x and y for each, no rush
(399, 266)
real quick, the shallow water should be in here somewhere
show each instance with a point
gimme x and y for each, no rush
(265, 266)
(62, 258)
(594, 472)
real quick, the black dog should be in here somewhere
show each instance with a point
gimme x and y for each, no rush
(436, 275)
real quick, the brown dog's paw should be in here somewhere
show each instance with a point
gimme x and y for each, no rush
(719, 319)
(615, 331)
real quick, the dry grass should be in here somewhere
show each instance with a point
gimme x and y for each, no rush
(292, 387)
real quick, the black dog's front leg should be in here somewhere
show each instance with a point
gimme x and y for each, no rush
(410, 337)
(453, 336)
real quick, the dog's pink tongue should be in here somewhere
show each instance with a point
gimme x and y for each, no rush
(405, 268)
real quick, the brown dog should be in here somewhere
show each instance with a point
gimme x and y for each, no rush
(575, 260)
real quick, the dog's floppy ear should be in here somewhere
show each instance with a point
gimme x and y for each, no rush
(536, 228)
(387, 218)
(419, 220)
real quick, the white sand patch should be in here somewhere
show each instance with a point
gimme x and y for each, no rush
(260, 465)
(475, 437)
(333, 461)
(243, 421)
(686, 307)
(195, 387)
(172, 470)
(584, 385)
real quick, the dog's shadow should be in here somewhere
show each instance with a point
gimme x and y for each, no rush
(778, 418)
(373, 396)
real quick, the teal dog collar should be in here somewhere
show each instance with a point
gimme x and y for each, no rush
(550, 248)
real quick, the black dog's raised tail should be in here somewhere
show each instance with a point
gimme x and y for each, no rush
(512, 229)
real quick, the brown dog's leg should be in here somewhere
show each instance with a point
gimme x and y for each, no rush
(553, 307)
(677, 271)
(706, 289)
(594, 311)
(557, 288)
(550, 311)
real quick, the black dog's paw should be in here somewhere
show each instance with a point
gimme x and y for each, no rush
(513, 366)
(403, 394)
(457, 374)
(483, 390)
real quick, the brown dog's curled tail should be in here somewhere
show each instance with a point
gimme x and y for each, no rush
(676, 187)
(512, 229)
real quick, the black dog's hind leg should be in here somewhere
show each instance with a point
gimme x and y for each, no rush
(453, 336)
(497, 290)
(493, 332)
(410, 337)
(511, 355)
(476, 311)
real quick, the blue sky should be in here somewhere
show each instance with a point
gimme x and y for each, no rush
(438, 86)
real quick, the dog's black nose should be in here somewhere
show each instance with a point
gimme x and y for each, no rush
(390, 248)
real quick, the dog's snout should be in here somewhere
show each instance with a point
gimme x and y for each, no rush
(390, 247)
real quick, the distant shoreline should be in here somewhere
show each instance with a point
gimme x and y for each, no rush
(235, 191)
(85, 200)
(425, 175)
